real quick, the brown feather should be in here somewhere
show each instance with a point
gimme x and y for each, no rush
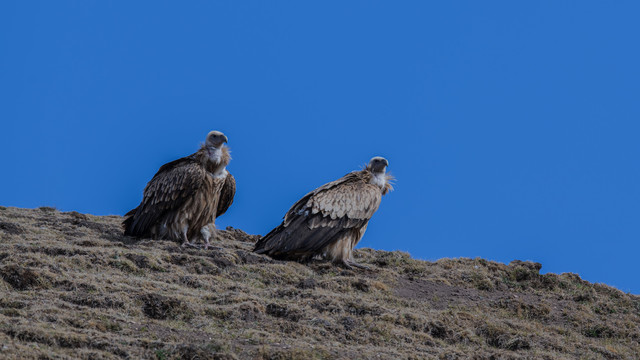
(183, 194)
(226, 195)
(327, 221)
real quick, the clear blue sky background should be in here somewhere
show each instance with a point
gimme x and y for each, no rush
(512, 127)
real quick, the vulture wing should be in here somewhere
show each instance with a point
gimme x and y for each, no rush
(169, 188)
(226, 194)
(322, 216)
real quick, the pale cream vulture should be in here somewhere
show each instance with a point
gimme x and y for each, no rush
(329, 221)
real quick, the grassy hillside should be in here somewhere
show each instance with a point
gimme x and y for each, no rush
(71, 286)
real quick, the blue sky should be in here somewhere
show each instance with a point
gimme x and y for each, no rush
(512, 127)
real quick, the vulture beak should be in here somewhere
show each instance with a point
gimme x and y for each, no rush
(386, 163)
(225, 139)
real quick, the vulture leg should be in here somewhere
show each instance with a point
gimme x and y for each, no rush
(207, 231)
(346, 253)
(185, 239)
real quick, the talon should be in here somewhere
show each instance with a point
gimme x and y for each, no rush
(347, 265)
(360, 266)
(351, 264)
(188, 244)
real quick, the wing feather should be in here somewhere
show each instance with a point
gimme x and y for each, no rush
(354, 199)
(226, 195)
(169, 188)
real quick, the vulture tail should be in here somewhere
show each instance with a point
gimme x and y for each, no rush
(262, 246)
(127, 223)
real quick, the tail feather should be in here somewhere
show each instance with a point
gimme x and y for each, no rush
(261, 245)
(128, 222)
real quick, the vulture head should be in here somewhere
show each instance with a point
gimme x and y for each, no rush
(378, 165)
(215, 139)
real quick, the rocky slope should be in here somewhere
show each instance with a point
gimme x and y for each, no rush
(71, 286)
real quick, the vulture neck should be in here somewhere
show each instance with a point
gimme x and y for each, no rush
(214, 159)
(382, 180)
(379, 179)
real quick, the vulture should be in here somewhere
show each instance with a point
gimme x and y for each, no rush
(329, 221)
(183, 199)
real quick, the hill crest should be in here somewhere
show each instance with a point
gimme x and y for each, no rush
(71, 285)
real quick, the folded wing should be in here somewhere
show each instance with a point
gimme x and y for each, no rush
(322, 217)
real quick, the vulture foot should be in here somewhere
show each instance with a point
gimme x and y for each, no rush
(187, 244)
(350, 264)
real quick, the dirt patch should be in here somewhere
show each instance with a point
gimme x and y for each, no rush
(500, 337)
(141, 261)
(24, 278)
(440, 295)
(207, 351)
(94, 301)
(162, 307)
(309, 283)
(11, 228)
(282, 311)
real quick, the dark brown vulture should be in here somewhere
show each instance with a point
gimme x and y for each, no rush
(330, 220)
(184, 198)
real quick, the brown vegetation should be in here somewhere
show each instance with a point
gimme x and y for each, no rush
(71, 286)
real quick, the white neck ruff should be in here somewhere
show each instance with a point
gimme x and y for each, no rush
(379, 179)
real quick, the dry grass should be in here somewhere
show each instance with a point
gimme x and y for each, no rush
(71, 286)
